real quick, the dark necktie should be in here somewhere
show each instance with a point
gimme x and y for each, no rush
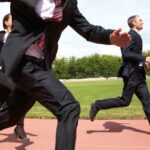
(57, 16)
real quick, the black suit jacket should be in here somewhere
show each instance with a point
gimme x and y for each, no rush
(28, 26)
(2, 33)
(132, 56)
(6, 84)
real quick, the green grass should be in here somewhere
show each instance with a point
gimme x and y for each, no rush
(88, 92)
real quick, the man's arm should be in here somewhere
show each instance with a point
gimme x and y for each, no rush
(98, 34)
(129, 53)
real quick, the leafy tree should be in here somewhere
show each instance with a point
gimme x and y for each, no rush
(92, 66)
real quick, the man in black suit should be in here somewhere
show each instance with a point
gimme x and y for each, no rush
(6, 84)
(132, 72)
(37, 29)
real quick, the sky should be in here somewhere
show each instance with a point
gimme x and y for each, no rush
(110, 14)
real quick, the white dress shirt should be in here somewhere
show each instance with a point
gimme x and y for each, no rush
(5, 36)
(44, 9)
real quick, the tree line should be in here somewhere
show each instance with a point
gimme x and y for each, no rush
(93, 66)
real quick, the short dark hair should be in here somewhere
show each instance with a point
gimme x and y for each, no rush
(5, 18)
(130, 20)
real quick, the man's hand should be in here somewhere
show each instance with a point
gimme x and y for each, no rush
(147, 59)
(120, 39)
(146, 66)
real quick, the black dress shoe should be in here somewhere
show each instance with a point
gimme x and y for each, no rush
(93, 112)
(20, 133)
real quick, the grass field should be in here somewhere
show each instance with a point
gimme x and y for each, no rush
(88, 92)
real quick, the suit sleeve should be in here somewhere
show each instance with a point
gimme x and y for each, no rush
(96, 34)
(129, 53)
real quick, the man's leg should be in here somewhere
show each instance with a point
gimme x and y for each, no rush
(19, 129)
(4, 92)
(53, 95)
(124, 100)
(6, 86)
(143, 94)
(18, 104)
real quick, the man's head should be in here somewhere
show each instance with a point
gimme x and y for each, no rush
(7, 21)
(135, 22)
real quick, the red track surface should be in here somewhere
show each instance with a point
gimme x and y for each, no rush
(97, 135)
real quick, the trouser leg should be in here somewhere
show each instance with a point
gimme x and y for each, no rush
(21, 121)
(52, 94)
(4, 93)
(6, 86)
(6, 81)
(18, 104)
(143, 94)
(124, 100)
(66, 129)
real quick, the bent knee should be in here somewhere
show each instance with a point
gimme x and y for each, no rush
(74, 107)
(69, 111)
(125, 102)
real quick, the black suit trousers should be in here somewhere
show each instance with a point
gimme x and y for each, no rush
(18, 104)
(135, 84)
(41, 85)
(6, 87)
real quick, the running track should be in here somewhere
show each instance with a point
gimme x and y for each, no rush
(97, 135)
